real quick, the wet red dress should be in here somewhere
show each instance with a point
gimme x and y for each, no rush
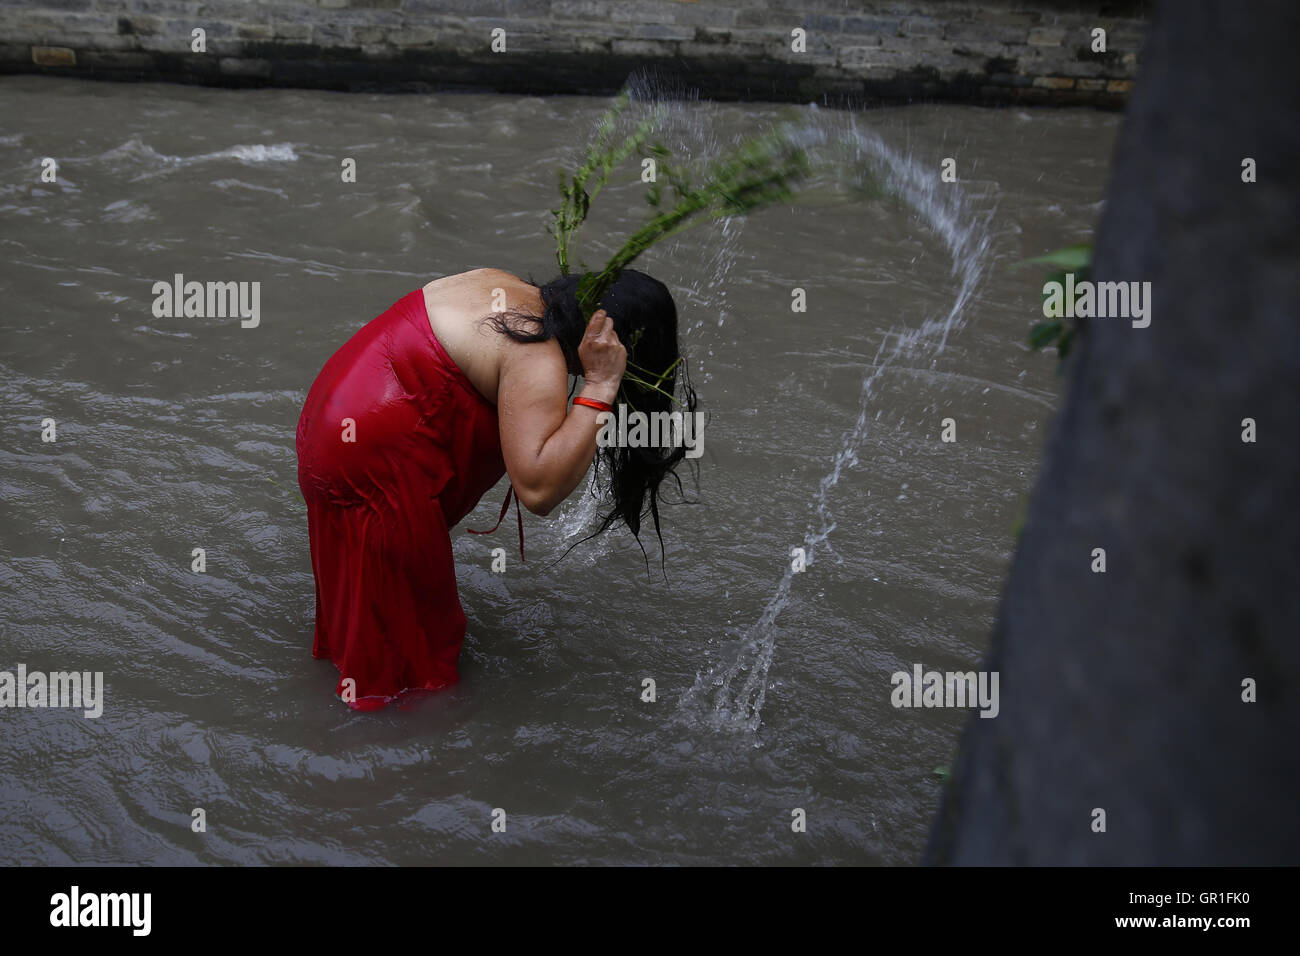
(395, 447)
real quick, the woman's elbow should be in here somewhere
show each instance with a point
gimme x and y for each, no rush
(541, 490)
(537, 501)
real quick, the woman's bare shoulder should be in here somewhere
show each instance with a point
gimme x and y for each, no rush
(476, 277)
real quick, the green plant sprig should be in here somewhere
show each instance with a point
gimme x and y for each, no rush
(576, 194)
(1061, 331)
(758, 173)
(652, 386)
(662, 375)
(296, 493)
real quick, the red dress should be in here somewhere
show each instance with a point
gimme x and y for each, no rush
(395, 447)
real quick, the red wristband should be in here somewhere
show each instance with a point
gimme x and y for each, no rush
(593, 403)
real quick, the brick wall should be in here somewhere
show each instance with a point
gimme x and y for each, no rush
(855, 51)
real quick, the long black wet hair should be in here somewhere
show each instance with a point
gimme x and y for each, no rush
(645, 319)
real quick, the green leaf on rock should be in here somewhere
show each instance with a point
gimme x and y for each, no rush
(1069, 259)
(1045, 333)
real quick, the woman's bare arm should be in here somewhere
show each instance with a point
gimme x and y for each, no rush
(547, 452)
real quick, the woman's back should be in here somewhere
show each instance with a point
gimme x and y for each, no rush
(457, 305)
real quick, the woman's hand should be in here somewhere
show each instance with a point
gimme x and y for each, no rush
(603, 357)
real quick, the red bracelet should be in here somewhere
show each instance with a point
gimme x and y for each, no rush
(593, 403)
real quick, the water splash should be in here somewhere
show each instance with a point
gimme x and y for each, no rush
(689, 134)
(135, 152)
(731, 693)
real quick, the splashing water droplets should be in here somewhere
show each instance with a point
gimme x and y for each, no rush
(689, 132)
(731, 693)
(857, 164)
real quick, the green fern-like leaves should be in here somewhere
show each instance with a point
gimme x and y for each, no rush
(755, 174)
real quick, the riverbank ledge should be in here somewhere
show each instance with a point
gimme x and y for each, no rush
(834, 52)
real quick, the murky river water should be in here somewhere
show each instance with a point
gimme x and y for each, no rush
(824, 432)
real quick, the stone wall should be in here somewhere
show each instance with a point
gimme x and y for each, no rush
(854, 51)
